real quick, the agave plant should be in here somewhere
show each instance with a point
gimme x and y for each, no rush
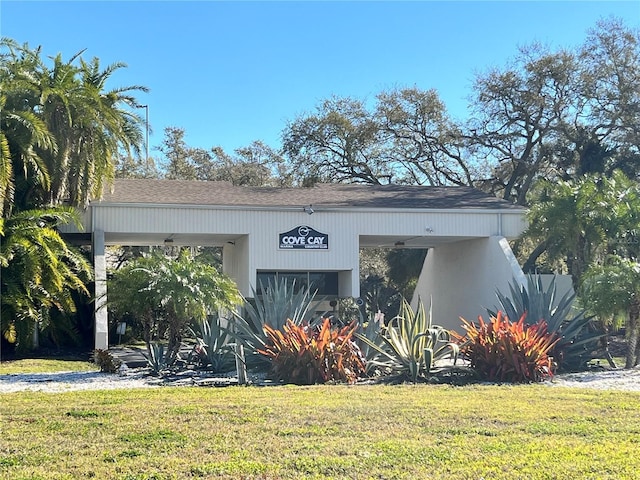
(411, 344)
(279, 303)
(577, 334)
(212, 347)
(157, 357)
(370, 329)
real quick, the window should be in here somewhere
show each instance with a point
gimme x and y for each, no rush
(325, 282)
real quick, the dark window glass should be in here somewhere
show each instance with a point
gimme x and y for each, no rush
(301, 279)
(263, 281)
(325, 282)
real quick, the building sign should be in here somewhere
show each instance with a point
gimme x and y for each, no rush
(305, 238)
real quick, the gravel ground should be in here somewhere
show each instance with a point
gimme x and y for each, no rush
(139, 378)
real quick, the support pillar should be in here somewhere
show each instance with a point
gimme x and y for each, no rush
(100, 273)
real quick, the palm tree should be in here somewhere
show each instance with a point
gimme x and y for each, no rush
(61, 134)
(166, 294)
(566, 221)
(591, 221)
(93, 125)
(39, 271)
(106, 124)
(69, 102)
(613, 289)
(24, 136)
(583, 220)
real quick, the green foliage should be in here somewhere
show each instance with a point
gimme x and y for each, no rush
(211, 348)
(506, 351)
(368, 334)
(411, 344)
(584, 219)
(158, 358)
(612, 290)
(577, 334)
(305, 355)
(379, 295)
(589, 220)
(388, 275)
(106, 361)
(279, 303)
(166, 294)
(40, 272)
(61, 130)
(405, 266)
(66, 128)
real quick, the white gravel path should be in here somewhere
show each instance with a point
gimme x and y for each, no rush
(619, 379)
(138, 378)
(73, 381)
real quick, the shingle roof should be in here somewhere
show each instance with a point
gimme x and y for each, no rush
(184, 192)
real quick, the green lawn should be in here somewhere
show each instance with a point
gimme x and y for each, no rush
(361, 432)
(45, 365)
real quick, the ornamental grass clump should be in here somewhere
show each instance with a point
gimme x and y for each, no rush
(305, 355)
(505, 351)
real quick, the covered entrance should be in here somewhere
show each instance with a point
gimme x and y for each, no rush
(317, 233)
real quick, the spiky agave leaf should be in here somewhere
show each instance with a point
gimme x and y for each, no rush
(405, 341)
(577, 333)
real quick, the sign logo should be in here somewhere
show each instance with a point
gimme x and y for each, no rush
(304, 238)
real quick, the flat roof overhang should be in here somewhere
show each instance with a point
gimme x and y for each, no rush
(211, 240)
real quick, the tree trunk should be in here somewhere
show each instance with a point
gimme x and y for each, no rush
(175, 340)
(530, 264)
(633, 328)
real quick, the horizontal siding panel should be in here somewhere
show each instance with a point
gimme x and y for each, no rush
(85, 218)
(203, 221)
(513, 225)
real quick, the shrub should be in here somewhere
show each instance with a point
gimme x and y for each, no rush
(368, 338)
(576, 333)
(501, 350)
(106, 361)
(410, 344)
(305, 355)
(158, 358)
(166, 294)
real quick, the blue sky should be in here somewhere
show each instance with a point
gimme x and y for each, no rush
(233, 72)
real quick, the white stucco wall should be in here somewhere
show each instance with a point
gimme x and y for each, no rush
(235, 263)
(564, 285)
(461, 278)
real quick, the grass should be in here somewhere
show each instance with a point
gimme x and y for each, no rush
(341, 432)
(45, 365)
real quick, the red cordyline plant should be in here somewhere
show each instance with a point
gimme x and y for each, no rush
(505, 351)
(305, 355)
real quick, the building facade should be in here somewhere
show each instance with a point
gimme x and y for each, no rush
(315, 235)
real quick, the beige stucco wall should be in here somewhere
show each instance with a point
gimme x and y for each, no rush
(461, 278)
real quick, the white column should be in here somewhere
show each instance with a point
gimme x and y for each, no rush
(100, 272)
(461, 279)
